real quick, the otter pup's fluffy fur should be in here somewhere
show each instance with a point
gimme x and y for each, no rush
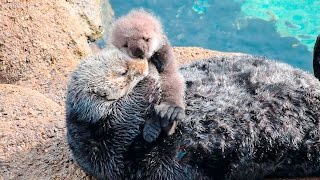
(140, 34)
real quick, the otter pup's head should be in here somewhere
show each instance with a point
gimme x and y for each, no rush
(110, 74)
(139, 34)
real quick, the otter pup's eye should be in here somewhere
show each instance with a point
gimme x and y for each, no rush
(125, 45)
(147, 39)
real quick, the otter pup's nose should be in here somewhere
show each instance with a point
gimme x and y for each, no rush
(138, 53)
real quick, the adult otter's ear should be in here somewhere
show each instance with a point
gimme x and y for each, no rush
(316, 58)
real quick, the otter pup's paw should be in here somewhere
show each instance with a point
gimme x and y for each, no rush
(151, 131)
(158, 62)
(169, 113)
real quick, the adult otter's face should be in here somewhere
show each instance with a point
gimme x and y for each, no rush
(111, 74)
(124, 75)
(138, 34)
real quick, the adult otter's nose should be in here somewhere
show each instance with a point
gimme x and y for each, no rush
(138, 53)
(139, 66)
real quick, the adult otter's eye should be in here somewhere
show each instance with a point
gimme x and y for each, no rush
(125, 45)
(124, 73)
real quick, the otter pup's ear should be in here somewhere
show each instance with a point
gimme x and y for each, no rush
(316, 58)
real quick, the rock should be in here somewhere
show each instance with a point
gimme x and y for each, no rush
(34, 44)
(49, 160)
(27, 117)
(107, 18)
(41, 42)
(185, 55)
(90, 14)
(32, 137)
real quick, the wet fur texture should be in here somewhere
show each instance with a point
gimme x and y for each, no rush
(140, 34)
(101, 103)
(248, 118)
(316, 58)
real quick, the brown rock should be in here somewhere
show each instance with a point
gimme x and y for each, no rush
(42, 41)
(32, 137)
(90, 14)
(107, 17)
(185, 55)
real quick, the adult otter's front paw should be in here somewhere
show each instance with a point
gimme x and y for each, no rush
(151, 130)
(158, 62)
(169, 113)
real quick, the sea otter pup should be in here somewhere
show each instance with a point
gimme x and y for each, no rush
(139, 34)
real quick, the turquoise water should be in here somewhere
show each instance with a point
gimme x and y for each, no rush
(278, 29)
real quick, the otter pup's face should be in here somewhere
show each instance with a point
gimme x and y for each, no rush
(110, 74)
(138, 34)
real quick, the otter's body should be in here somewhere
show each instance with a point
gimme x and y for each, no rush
(248, 118)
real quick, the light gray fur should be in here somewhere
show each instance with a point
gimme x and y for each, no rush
(94, 77)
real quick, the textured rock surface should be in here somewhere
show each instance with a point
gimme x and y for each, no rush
(32, 136)
(90, 16)
(26, 118)
(186, 55)
(107, 18)
(38, 50)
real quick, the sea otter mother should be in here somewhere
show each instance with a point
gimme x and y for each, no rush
(247, 118)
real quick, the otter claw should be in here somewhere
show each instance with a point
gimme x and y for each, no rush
(168, 114)
(164, 116)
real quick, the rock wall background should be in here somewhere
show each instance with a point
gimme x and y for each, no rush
(41, 42)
